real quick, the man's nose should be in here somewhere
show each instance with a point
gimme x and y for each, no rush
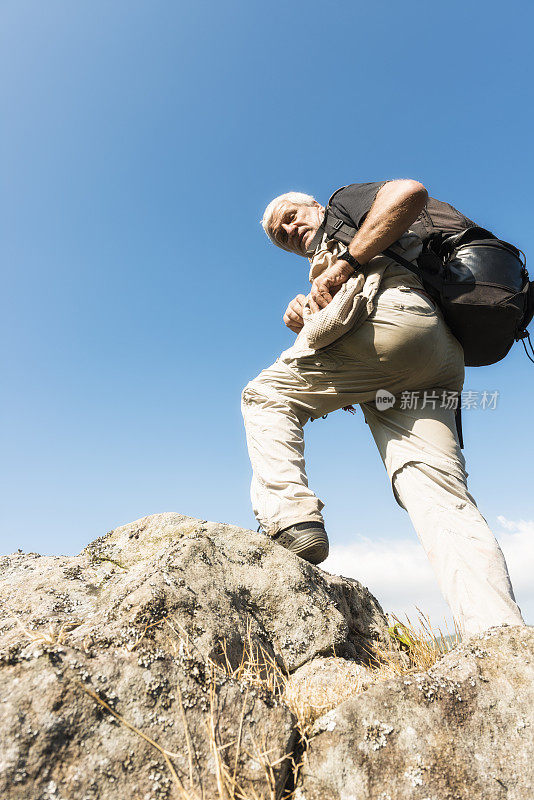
(289, 227)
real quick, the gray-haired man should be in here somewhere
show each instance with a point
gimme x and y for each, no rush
(399, 347)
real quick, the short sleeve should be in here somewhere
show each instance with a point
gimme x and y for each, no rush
(353, 202)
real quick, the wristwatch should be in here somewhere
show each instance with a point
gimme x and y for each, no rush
(346, 256)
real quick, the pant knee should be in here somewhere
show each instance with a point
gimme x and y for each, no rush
(249, 403)
(251, 397)
(246, 397)
(262, 396)
(418, 479)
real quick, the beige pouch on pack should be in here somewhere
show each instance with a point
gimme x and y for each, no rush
(325, 326)
(349, 307)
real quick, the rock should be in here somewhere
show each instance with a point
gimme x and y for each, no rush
(122, 671)
(464, 730)
(178, 726)
(221, 585)
(188, 659)
(323, 684)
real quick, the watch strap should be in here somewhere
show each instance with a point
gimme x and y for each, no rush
(346, 256)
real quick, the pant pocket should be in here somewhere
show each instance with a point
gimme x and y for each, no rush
(406, 299)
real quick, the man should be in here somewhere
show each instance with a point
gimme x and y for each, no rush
(398, 347)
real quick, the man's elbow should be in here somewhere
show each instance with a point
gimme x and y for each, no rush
(404, 192)
(415, 192)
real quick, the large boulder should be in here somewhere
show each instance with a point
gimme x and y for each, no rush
(147, 662)
(111, 724)
(464, 730)
(221, 585)
(180, 658)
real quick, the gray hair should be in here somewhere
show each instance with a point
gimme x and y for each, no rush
(289, 197)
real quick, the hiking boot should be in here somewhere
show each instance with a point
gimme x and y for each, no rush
(306, 539)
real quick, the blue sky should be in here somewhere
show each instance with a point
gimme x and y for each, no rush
(141, 142)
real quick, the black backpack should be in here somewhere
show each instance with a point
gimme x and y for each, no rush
(480, 283)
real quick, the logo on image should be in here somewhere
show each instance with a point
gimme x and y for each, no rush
(384, 400)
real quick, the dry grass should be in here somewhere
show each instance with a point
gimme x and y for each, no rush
(308, 701)
(422, 643)
(55, 633)
(142, 635)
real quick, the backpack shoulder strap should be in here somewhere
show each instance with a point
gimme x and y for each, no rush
(337, 228)
(333, 226)
(403, 261)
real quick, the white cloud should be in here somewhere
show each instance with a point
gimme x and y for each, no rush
(517, 542)
(399, 574)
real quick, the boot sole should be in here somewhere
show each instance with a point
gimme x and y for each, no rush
(312, 546)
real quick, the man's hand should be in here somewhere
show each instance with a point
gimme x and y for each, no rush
(293, 316)
(328, 283)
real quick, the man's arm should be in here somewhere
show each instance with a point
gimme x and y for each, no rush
(397, 205)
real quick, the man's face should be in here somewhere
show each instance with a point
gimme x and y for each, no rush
(294, 225)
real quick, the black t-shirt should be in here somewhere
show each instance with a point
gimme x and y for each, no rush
(352, 203)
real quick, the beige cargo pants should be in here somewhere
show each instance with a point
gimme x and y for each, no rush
(404, 346)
